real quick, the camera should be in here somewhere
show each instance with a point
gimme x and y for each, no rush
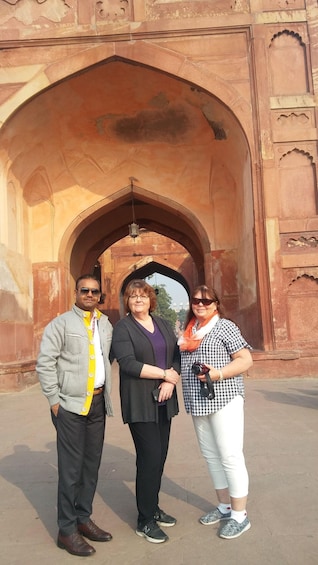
(200, 369)
(206, 389)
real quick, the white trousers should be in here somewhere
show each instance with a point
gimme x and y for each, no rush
(220, 436)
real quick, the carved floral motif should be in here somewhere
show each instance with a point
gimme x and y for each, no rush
(28, 12)
(111, 9)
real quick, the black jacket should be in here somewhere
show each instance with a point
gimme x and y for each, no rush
(132, 349)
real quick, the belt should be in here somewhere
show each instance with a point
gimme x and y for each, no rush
(98, 390)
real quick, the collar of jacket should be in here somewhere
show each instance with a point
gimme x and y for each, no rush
(86, 313)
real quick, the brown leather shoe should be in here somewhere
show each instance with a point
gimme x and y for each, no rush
(75, 545)
(93, 532)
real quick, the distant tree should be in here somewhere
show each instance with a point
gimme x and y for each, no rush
(181, 317)
(163, 309)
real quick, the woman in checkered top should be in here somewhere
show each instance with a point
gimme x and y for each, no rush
(214, 355)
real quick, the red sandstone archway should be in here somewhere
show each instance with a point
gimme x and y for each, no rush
(77, 146)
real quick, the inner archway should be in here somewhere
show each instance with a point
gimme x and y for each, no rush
(149, 269)
(159, 214)
(170, 241)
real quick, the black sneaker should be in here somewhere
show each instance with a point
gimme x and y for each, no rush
(152, 533)
(164, 519)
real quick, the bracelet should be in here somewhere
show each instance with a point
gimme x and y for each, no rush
(164, 375)
(221, 375)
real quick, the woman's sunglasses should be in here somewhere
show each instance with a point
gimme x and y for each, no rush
(204, 301)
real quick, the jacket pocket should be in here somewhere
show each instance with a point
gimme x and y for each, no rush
(71, 385)
(75, 343)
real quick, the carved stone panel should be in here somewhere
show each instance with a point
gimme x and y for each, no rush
(17, 14)
(293, 119)
(299, 242)
(293, 124)
(178, 9)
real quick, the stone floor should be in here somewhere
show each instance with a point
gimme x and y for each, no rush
(281, 448)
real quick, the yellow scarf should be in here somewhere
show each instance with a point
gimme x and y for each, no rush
(91, 359)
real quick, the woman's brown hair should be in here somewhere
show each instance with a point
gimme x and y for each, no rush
(206, 292)
(145, 288)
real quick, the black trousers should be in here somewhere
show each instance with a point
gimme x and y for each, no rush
(151, 443)
(80, 441)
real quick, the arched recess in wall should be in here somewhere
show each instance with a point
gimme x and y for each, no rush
(297, 183)
(288, 64)
(302, 296)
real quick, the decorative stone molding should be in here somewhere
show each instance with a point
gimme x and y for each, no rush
(287, 32)
(299, 152)
(288, 125)
(306, 150)
(293, 119)
(292, 101)
(112, 9)
(28, 12)
(304, 276)
(298, 242)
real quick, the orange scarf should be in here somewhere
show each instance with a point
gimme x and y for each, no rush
(190, 341)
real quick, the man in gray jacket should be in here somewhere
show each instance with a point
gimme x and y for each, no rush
(75, 375)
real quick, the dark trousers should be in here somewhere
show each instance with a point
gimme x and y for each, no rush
(80, 441)
(151, 443)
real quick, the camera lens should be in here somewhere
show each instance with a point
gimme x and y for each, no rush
(197, 368)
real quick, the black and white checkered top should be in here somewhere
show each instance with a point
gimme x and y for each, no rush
(215, 349)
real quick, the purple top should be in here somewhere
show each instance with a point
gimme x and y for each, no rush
(159, 346)
(158, 343)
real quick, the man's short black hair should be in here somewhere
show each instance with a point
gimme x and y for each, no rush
(88, 276)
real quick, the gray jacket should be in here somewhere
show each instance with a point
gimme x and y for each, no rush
(62, 364)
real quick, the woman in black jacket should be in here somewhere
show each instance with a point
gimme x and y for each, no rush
(149, 361)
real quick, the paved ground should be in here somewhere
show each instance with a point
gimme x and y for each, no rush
(281, 449)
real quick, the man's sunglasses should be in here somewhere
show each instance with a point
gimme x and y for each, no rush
(204, 301)
(84, 290)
